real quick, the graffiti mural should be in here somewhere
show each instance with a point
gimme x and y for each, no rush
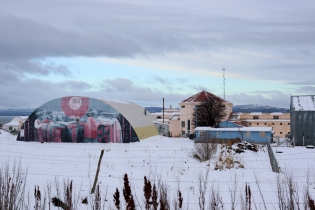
(77, 119)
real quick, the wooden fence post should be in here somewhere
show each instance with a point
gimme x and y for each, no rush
(97, 171)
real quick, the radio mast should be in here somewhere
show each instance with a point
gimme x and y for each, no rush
(223, 69)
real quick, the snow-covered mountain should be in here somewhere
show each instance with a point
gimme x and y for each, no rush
(16, 112)
(258, 108)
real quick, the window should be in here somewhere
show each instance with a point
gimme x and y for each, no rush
(280, 132)
(230, 133)
(288, 132)
(265, 123)
(183, 133)
(288, 123)
(182, 107)
(273, 123)
(250, 123)
(201, 134)
(188, 125)
(10, 127)
(255, 117)
(158, 117)
(257, 123)
(276, 117)
(280, 123)
(218, 133)
(247, 134)
(262, 134)
(183, 124)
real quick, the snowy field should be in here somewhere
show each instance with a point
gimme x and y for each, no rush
(158, 158)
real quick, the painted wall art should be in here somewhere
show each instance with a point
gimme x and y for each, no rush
(77, 119)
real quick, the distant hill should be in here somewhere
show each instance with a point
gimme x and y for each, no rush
(16, 112)
(239, 108)
(258, 108)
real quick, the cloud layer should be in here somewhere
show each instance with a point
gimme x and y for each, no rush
(257, 42)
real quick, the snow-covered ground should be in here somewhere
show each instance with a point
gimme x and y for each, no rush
(167, 159)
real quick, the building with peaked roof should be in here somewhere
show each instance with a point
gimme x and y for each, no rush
(302, 111)
(15, 123)
(181, 121)
(82, 119)
(187, 110)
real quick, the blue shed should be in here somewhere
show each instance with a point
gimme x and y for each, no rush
(250, 134)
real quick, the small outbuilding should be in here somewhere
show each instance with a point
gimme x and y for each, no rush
(228, 131)
(11, 126)
(302, 110)
(14, 124)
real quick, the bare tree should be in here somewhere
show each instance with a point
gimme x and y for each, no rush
(209, 113)
(244, 122)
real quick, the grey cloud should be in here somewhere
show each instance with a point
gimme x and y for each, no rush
(34, 31)
(263, 92)
(119, 85)
(39, 30)
(31, 93)
(126, 90)
(198, 88)
(161, 80)
(301, 83)
(8, 78)
(182, 80)
(276, 98)
(118, 30)
(307, 89)
(72, 85)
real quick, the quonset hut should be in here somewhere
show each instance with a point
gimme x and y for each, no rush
(302, 119)
(82, 119)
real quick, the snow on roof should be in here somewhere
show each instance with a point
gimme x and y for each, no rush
(14, 123)
(303, 103)
(161, 120)
(203, 96)
(234, 129)
(256, 113)
(23, 117)
(175, 117)
(276, 113)
(267, 120)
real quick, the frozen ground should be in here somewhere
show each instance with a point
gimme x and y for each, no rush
(167, 159)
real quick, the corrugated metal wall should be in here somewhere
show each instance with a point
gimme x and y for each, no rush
(303, 123)
(302, 118)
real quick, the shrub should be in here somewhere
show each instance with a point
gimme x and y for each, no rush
(205, 150)
(12, 187)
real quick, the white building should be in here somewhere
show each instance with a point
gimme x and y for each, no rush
(15, 123)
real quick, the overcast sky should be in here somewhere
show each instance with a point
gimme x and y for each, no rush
(143, 51)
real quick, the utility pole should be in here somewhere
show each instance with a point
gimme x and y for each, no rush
(163, 110)
(196, 115)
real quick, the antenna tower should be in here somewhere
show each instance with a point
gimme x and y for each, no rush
(223, 83)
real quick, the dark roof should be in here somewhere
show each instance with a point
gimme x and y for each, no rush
(203, 96)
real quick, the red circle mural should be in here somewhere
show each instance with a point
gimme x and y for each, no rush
(74, 106)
